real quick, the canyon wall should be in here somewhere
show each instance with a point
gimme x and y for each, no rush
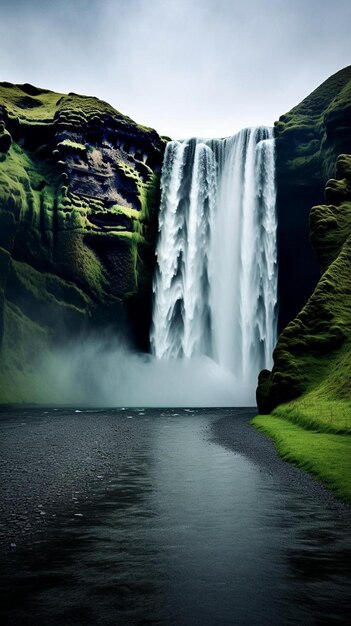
(308, 141)
(79, 194)
(313, 353)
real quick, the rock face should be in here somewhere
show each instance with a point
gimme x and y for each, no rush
(314, 351)
(79, 185)
(308, 141)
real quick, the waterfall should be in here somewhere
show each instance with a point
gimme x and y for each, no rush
(215, 283)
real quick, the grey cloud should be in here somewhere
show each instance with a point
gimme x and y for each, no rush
(185, 67)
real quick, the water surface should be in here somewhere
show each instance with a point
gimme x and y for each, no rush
(179, 531)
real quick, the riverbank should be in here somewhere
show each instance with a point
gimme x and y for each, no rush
(294, 444)
(314, 441)
(54, 461)
(128, 507)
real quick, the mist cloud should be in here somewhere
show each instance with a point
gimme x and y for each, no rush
(108, 374)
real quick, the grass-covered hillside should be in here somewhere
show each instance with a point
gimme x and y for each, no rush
(308, 392)
(78, 215)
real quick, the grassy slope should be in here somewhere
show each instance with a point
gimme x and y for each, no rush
(314, 429)
(313, 352)
(308, 392)
(327, 456)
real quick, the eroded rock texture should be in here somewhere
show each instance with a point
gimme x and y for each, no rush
(308, 141)
(79, 185)
(313, 353)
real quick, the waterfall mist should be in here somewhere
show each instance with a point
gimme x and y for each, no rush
(216, 278)
(108, 373)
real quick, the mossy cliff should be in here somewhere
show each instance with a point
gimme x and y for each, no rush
(308, 391)
(308, 141)
(79, 186)
(313, 354)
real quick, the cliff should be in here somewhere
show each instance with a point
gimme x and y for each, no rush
(79, 185)
(313, 354)
(308, 141)
(308, 391)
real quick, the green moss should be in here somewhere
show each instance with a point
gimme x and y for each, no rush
(77, 108)
(314, 350)
(326, 456)
(81, 266)
(74, 221)
(68, 143)
(118, 209)
(38, 107)
(40, 283)
(308, 391)
(28, 192)
(5, 139)
(313, 132)
(24, 341)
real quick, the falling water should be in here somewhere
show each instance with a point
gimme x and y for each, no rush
(216, 279)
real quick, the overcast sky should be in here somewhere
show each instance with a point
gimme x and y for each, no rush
(184, 67)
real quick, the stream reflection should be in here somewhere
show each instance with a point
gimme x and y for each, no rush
(187, 532)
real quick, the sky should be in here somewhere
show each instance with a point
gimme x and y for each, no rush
(184, 67)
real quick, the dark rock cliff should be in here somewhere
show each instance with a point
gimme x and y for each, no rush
(308, 141)
(79, 186)
(313, 355)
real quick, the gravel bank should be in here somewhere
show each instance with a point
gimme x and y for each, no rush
(54, 461)
(238, 435)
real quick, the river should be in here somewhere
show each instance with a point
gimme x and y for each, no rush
(143, 516)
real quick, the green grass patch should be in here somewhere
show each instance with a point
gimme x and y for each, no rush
(325, 455)
(317, 413)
